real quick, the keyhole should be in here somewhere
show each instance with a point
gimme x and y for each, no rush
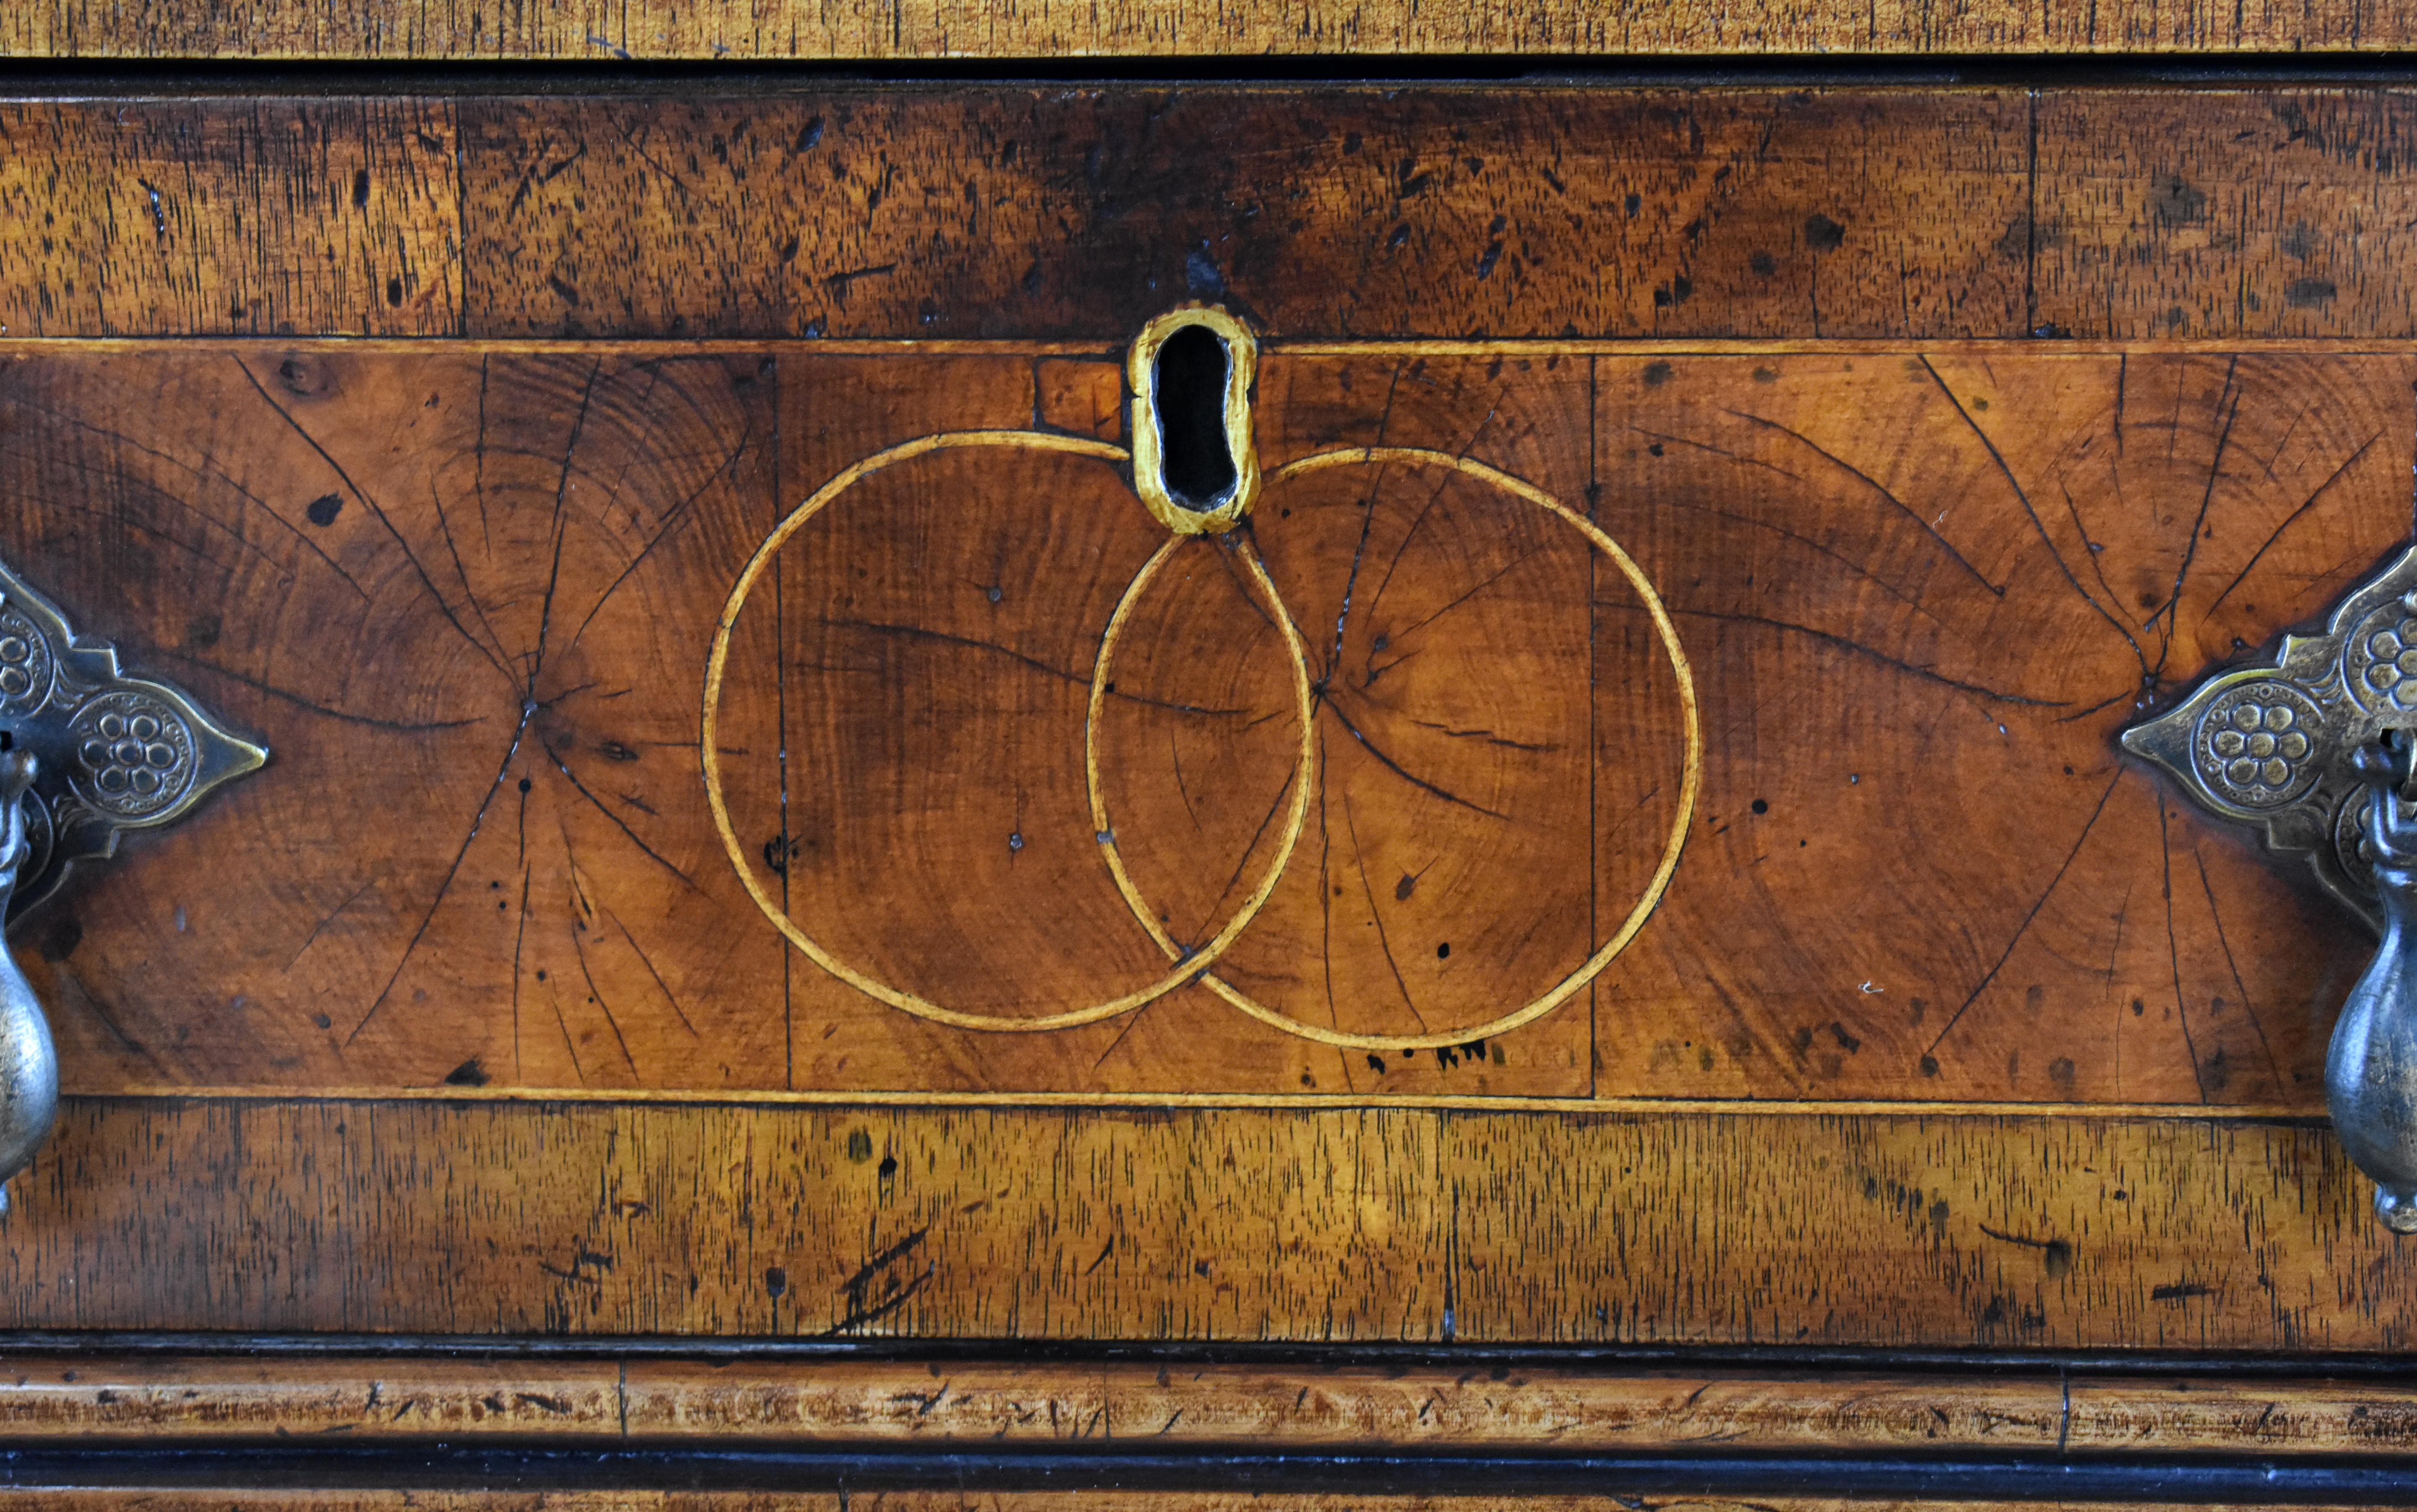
(1189, 392)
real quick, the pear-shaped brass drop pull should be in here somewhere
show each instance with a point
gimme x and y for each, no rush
(29, 1065)
(2371, 1070)
(86, 754)
(2314, 744)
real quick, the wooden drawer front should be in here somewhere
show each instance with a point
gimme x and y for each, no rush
(467, 595)
(1628, 844)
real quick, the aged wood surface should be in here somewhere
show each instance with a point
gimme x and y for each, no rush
(745, 30)
(1080, 214)
(338, 216)
(465, 595)
(466, 588)
(1182, 1407)
(1215, 1224)
(987, 211)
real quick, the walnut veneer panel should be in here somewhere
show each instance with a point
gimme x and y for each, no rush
(335, 216)
(466, 596)
(1232, 1223)
(1523, 211)
(726, 30)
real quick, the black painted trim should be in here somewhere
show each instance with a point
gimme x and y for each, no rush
(134, 78)
(1305, 1354)
(230, 1467)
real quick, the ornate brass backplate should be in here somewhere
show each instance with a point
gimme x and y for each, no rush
(2315, 747)
(87, 754)
(112, 752)
(2269, 743)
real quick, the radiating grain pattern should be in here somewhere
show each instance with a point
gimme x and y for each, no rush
(1231, 1224)
(466, 595)
(259, 216)
(730, 30)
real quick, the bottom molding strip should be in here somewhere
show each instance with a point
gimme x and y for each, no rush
(1078, 1410)
(1096, 1481)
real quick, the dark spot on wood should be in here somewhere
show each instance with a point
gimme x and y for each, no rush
(361, 189)
(468, 1074)
(1823, 234)
(2309, 294)
(1762, 265)
(2173, 201)
(1201, 275)
(1402, 888)
(1656, 374)
(301, 377)
(776, 1280)
(860, 1146)
(323, 510)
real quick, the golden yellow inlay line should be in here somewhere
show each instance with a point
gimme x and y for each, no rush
(1187, 967)
(1690, 774)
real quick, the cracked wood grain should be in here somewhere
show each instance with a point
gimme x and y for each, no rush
(1908, 672)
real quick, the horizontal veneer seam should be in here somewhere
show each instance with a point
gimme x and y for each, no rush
(1202, 1101)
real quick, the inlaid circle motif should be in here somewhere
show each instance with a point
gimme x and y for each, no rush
(1190, 963)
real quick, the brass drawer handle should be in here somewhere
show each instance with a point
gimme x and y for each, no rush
(29, 1063)
(2371, 1069)
(2315, 745)
(87, 754)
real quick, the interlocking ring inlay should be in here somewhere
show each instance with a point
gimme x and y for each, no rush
(1191, 965)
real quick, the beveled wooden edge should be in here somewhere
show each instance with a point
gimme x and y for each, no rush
(88, 1499)
(724, 31)
(96, 1401)
(1299, 1102)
